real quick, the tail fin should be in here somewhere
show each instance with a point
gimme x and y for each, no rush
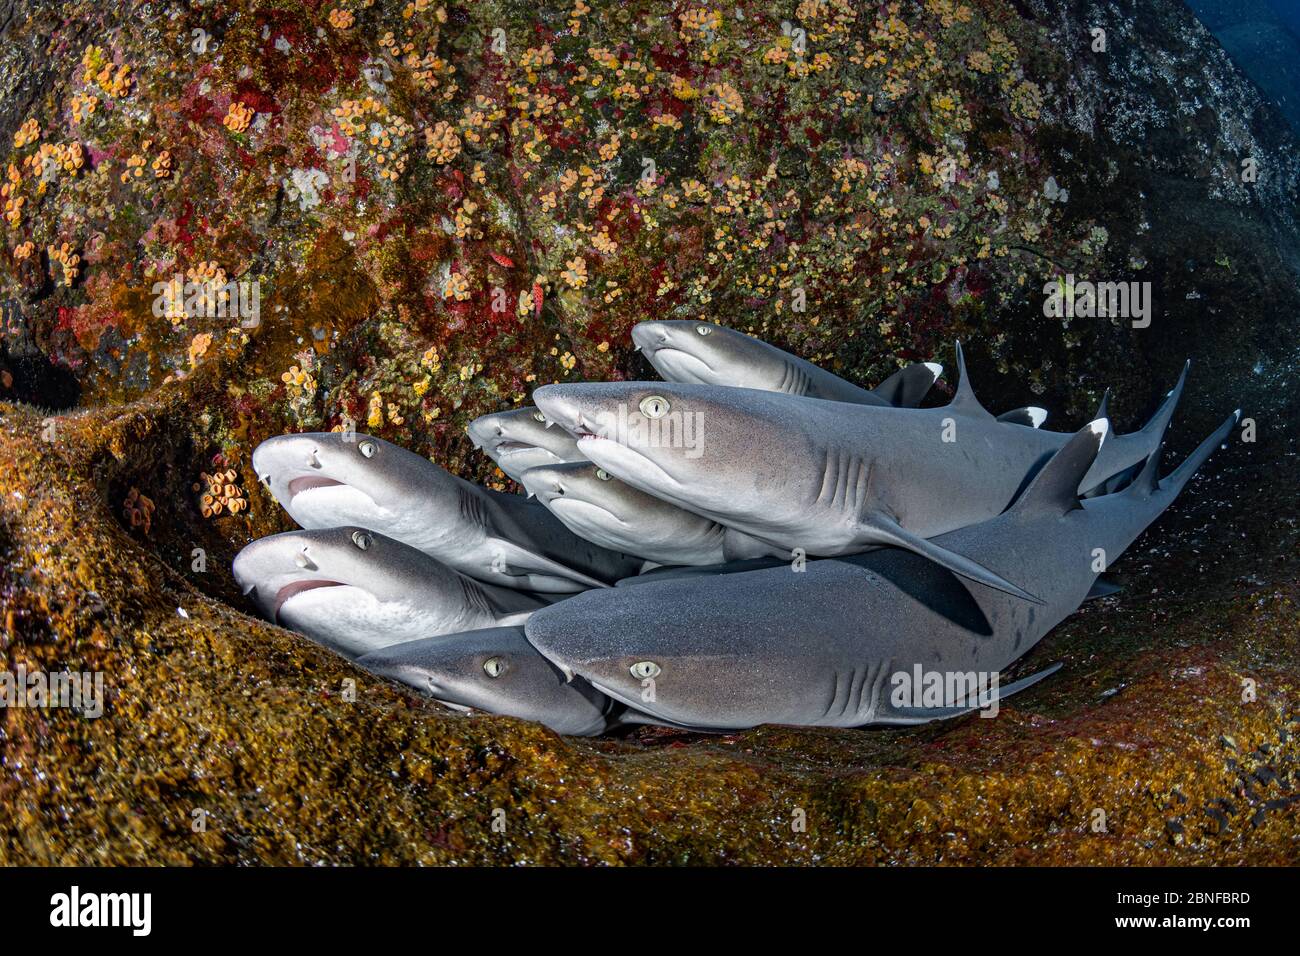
(1148, 483)
(1055, 489)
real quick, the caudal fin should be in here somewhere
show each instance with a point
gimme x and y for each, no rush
(1160, 420)
(1148, 483)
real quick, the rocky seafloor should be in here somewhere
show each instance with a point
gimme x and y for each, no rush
(443, 206)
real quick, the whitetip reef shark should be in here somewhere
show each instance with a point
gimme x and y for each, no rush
(826, 477)
(327, 479)
(520, 439)
(702, 353)
(356, 591)
(497, 671)
(845, 642)
(597, 506)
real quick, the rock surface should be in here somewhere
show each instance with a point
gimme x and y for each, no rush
(438, 217)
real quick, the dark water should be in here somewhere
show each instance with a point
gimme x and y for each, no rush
(1263, 37)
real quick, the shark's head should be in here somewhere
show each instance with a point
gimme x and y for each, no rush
(651, 655)
(494, 670)
(325, 479)
(599, 507)
(667, 439)
(347, 587)
(583, 493)
(521, 439)
(702, 353)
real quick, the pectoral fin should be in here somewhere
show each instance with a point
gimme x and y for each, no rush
(512, 561)
(511, 620)
(738, 546)
(881, 529)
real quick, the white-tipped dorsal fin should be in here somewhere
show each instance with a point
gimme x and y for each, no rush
(907, 387)
(1031, 416)
(935, 368)
(1055, 489)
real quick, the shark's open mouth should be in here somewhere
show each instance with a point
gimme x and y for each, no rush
(298, 587)
(306, 482)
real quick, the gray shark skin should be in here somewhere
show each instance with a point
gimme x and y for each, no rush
(701, 353)
(497, 671)
(356, 591)
(827, 646)
(597, 506)
(829, 478)
(326, 479)
(521, 439)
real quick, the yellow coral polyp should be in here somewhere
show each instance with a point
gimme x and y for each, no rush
(238, 117)
(220, 493)
(443, 145)
(29, 132)
(576, 273)
(455, 287)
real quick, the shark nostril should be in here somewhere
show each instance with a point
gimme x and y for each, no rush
(312, 460)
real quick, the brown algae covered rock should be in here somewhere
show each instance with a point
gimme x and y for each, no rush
(222, 223)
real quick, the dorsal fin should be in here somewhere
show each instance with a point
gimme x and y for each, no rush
(1055, 489)
(1103, 408)
(964, 400)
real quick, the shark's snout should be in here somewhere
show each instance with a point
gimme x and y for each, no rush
(559, 408)
(649, 336)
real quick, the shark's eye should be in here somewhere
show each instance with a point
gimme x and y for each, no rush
(367, 448)
(704, 329)
(654, 406)
(361, 539)
(494, 667)
(602, 474)
(644, 670)
(539, 417)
